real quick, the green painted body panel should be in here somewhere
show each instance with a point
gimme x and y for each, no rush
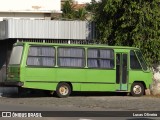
(40, 85)
(146, 77)
(81, 79)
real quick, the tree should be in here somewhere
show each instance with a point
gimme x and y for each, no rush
(129, 23)
(91, 9)
(81, 14)
(70, 12)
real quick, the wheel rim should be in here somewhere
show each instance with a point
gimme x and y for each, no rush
(63, 90)
(137, 89)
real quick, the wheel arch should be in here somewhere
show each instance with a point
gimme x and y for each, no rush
(140, 81)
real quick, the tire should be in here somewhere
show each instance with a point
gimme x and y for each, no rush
(137, 89)
(63, 90)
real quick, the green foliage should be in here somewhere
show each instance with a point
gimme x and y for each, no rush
(81, 14)
(129, 23)
(91, 9)
(69, 11)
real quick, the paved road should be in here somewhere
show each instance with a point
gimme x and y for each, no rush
(83, 103)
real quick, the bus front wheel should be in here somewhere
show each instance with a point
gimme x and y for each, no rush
(137, 89)
(63, 90)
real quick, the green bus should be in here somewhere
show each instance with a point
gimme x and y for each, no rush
(63, 68)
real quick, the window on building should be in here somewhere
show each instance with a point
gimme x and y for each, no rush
(100, 58)
(41, 56)
(71, 57)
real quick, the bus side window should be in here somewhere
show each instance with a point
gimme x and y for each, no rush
(71, 57)
(134, 63)
(41, 56)
(100, 58)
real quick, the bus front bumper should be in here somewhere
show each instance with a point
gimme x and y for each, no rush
(13, 83)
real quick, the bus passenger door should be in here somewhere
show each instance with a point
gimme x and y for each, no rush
(122, 71)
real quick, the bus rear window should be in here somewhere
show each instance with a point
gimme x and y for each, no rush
(15, 58)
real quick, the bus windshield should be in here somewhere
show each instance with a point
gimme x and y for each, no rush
(16, 55)
(141, 59)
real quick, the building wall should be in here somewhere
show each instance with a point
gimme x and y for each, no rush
(29, 9)
(7, 15)
(30, 5)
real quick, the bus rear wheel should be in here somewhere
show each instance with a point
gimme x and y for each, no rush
(63, 90)
(137, 89)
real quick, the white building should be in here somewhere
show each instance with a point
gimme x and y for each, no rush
(29, 9)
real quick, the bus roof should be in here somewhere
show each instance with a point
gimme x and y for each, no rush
(77, 45)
